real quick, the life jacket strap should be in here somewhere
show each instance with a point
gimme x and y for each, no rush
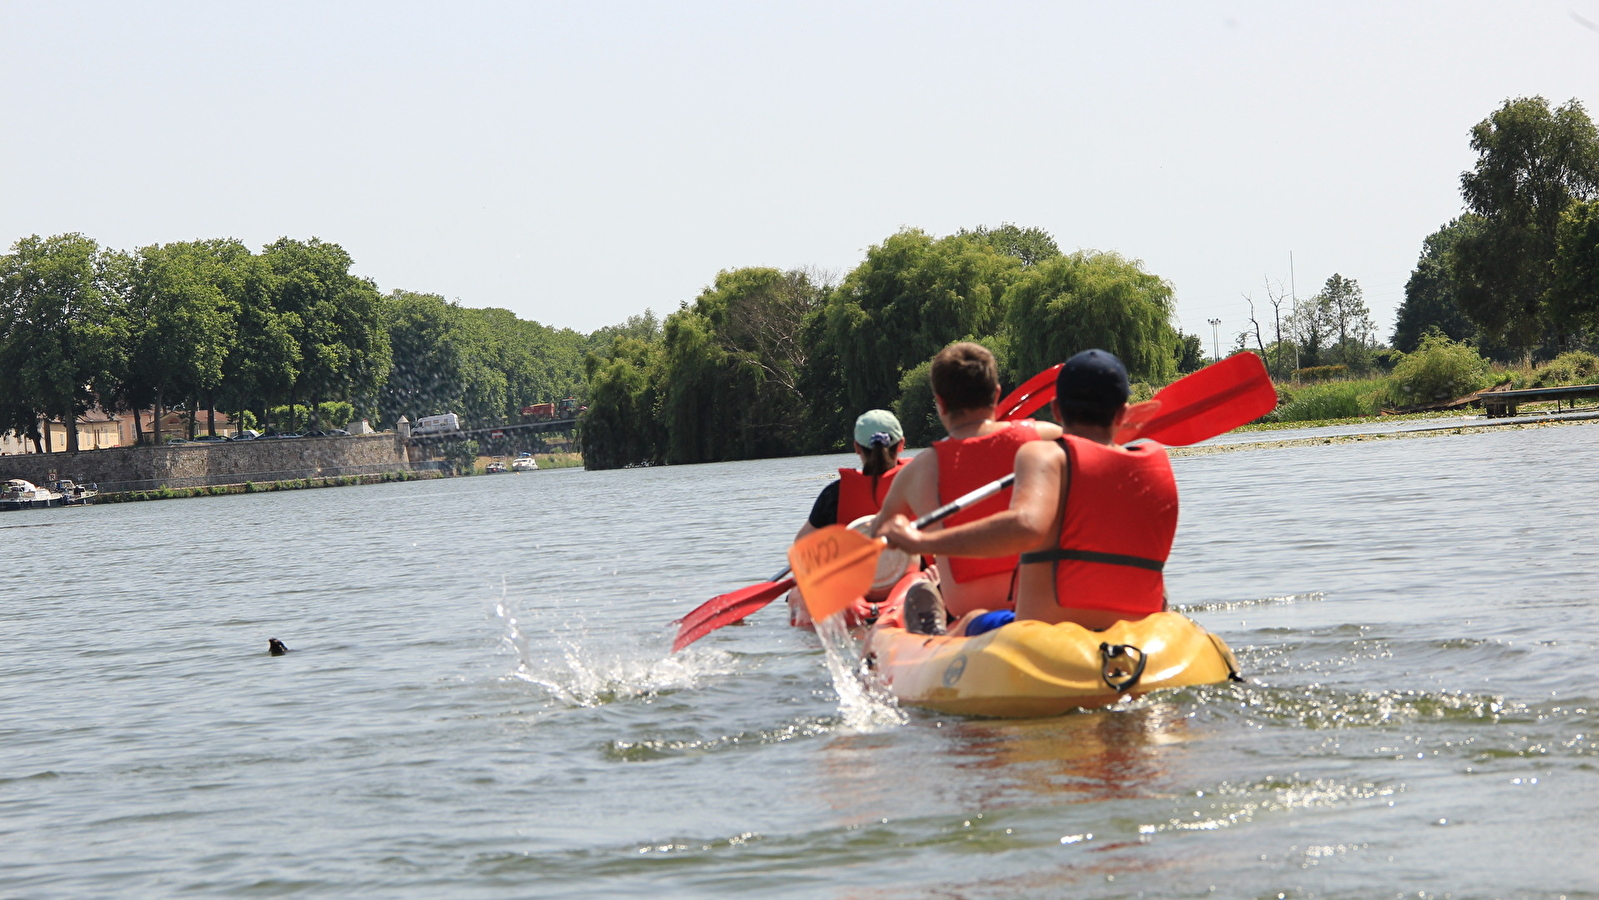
(1112, 559)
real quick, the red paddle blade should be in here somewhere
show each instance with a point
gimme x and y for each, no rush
(725, 609)
(1034, 393)
(833, 565)
(1212, 401)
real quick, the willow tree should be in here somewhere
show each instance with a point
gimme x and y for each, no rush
(912, 296)
(1090, 299)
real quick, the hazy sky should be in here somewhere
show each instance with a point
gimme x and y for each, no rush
(579, 163)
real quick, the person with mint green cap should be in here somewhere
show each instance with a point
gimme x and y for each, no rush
(858, 494)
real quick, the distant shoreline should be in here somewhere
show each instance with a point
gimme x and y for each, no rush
(1439, 431)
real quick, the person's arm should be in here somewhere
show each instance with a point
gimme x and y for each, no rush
(1026, 525)
(905, 486)
(824, 511)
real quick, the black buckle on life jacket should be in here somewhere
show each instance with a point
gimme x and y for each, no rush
(1121, 665)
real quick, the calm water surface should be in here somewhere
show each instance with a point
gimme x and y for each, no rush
(480, 701)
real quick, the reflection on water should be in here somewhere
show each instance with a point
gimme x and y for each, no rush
(1092, 756)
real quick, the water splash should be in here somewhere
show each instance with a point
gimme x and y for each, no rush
(863, 707)
(581, 670)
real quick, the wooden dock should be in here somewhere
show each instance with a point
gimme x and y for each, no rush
(1498, 404)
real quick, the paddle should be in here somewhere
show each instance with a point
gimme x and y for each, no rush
(834, 565)
(1212, 401)
(831, 560)
(1034, 393)
(725, 609)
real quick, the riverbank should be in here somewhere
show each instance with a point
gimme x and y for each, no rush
(545, 461)
(250, 487)
(1419, 431)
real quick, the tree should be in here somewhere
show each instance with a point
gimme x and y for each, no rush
(1532, 162)
(1349, 322)
(189, 298)
(1088, 299)
(62, 336)
(621, 427)
(1574, 293)
(911, 296)
(1432, 294)
(1030, 245)
(334, 317)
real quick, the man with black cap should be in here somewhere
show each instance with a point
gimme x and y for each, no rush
(1093, 521)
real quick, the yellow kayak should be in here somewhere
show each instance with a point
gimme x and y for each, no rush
(1032, 668)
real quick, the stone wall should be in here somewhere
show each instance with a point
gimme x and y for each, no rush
(233, 462)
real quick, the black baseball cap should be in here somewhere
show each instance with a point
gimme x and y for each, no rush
(1093, 380)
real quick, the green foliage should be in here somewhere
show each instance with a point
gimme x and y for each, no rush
(1321, 373)
(1327, 400)
(482, 364)
(461, 454)
(916, 410)
(1030, 245)
(1574, 293)
(1533, 161)
(1572, 367)
(1085, 300)
(911, 297)
(61, 338)
(1190, 354)
(622, 427)
(1439, 370)
(334, 318)
(298, 417)
(1432, 293)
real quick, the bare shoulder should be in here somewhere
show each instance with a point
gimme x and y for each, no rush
(1047, 431)
(1039, 453)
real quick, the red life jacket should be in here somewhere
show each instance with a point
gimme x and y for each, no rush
(966, 464)
(1121, 516)
(856, 496)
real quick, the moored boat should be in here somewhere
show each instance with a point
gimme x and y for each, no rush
(74, 494)
(524, 463)
(1032, 668)
(19, 494)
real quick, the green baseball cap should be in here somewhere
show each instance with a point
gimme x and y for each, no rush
(876, 422)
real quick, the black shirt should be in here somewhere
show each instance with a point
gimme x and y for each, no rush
(824, 511)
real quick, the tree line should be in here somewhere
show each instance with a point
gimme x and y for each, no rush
(208, 325)
(1517, 273)
(763, 362)
(766, 362)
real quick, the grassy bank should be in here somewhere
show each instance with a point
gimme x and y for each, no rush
(253, 487)
(545, 461)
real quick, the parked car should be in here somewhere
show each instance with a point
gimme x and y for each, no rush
(245, 434)
(210, 439)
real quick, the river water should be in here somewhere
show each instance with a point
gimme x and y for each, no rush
(480, 701)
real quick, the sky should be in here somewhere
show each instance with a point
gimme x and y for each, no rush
(581, 163)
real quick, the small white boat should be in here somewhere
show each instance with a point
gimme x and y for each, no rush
(74, 494)
(19, 494)
(524, 463)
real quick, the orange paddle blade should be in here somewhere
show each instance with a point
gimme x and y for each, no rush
(833, 566)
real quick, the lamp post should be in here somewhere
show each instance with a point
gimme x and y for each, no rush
(1215, 338)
